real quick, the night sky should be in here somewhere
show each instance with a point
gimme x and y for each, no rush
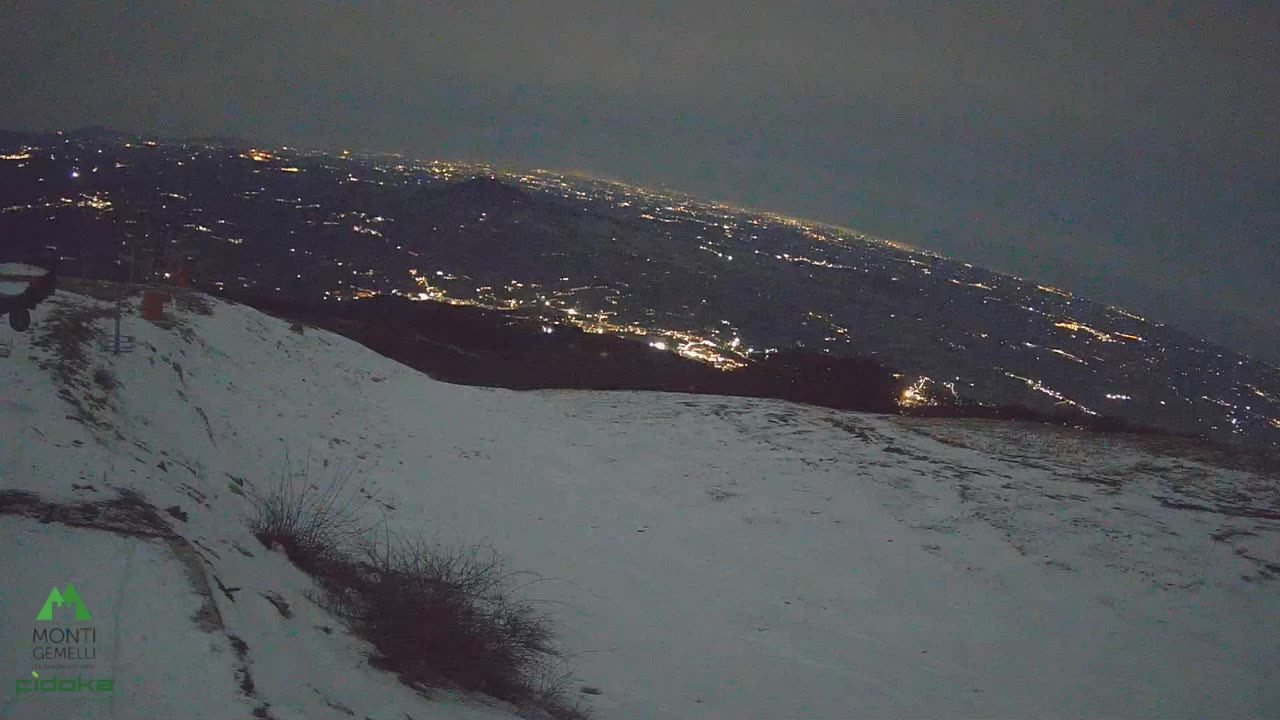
(1127, 154)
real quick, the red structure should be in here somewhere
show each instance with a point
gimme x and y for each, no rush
(153, 304)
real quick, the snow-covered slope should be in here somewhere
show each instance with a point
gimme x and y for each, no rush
(704, 557)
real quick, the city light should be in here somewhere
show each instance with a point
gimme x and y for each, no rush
(839, 292)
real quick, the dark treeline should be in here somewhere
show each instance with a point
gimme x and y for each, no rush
(473, 346)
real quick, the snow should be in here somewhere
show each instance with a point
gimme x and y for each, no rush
(12, 288)
(21, 270)
(703, 557)
(142, 607)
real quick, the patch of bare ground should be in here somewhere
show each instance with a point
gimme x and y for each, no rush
(97, 289)
(191, 302)
(180, 303)
(128, 514)
(68, 336)
(72, 331)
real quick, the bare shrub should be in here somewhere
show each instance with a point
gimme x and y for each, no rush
(442, 614)
(436, 615)
(311, 521)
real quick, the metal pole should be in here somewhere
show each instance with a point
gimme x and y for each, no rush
(118, 305)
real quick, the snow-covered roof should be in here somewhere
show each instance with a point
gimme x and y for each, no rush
(9, 287)
(21, 270)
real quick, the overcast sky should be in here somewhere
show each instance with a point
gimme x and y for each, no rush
(1127, 151)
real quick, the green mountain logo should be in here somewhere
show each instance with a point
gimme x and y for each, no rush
(61, 599)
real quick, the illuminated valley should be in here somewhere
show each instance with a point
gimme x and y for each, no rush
(704, 280)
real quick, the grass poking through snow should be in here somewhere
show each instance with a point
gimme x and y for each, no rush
(437, 615)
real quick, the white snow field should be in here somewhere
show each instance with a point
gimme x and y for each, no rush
(703, 557)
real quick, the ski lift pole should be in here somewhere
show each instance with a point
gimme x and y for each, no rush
(118, 311)
(119, 343)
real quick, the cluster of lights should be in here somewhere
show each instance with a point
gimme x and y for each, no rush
(1067, 355)
(1127, 314)
(808, 261)
(1074, 326)
(97, 202)
(918, 393)
(706, 351)
(978, 285)
(1260, 393)
(713, 347)
(1053, 290)
(832, 324)
(685, 344)
(1041, 387)
(715, 252)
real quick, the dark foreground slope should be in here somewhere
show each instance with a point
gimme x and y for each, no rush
(471, 346)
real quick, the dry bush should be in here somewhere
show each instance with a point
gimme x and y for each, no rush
(311, 521)
(104, 378)
(437, 615)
